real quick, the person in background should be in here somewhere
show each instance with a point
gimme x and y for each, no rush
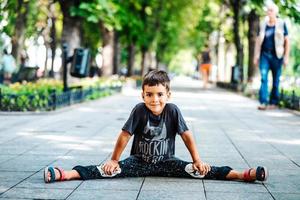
(271, 51)
(8, 66)
(205, 66)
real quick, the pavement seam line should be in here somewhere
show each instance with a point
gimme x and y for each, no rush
(259, 136)
(140, 188)
(204, 190)
(41, 168)
(74, 190)
(231, 141)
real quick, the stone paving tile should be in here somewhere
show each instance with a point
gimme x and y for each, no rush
(271, 161)
(114, 184)
(14, 150)
(284, 196)
(284, 181)
(103, 194)
(239, 186)
(173, 184)
(26, 163)
(47, 151)
(4, 157)
(236, 195)
(14, 176)
(171, 195)
(37, 181)
(37, 193)
(5, 185)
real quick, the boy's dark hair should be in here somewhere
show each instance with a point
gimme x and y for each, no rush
(156, 77)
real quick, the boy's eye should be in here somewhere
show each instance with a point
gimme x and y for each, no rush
(148, 94)
(160, 94)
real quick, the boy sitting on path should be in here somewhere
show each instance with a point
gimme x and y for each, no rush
(154, 125)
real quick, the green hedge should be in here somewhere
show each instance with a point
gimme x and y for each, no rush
(44, 94)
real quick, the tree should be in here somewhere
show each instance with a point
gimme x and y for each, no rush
(174, 30)
(253, 21)
(101, 13)
(72, 25)
(16, 13)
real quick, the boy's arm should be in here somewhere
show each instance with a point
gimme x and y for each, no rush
(111, 165)
(189, 142)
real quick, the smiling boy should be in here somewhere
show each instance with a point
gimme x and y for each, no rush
(154, 124)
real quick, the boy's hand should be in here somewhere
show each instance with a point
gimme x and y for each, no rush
(201, 167)
(110, 166)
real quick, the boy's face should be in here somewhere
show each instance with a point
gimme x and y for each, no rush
(155, 98)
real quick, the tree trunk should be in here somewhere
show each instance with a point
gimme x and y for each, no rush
(253, 21)
(107, 49)
(72, 29)
(71, 36)
(18, 38)
(237, 39)
(116, 52)
(157, 59)
(130, 61)
(53, 40)
(46, 61)
(143, 17)
(143, 67)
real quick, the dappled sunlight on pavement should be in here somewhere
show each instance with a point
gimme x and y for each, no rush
(281, 141)
(279, 114)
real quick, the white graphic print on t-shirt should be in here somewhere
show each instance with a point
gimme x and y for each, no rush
(154, 144)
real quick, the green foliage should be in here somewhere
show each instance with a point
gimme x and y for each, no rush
(162, 27)
(97, 10)
(29, 96)
(9, 10)
(38, 96)
(290, 8)
(295, 53)
(177, 20)
(208, 21)
(290, 98)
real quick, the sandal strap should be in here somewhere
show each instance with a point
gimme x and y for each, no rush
(247, 176)
(52, 173)
(62, 173)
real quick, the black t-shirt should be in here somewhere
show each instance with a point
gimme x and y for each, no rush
(154, 136)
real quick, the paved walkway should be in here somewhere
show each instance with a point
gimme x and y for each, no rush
(228, 131)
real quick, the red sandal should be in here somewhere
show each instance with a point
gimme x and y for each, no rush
(261, 174)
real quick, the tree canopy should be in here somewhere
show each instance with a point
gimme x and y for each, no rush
(149, 31)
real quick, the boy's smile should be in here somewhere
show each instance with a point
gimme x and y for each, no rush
(155, 98)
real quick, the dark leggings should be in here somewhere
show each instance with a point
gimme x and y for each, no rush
(135, 167)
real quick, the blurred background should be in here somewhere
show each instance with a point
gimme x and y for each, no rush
(133, 36)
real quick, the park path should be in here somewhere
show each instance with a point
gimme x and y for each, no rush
(228, 129)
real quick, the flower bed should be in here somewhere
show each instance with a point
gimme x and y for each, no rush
(46, 95)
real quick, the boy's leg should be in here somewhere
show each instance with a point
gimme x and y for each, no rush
(52, 174)
(130, 167)
(249, 175)
(176, 168)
